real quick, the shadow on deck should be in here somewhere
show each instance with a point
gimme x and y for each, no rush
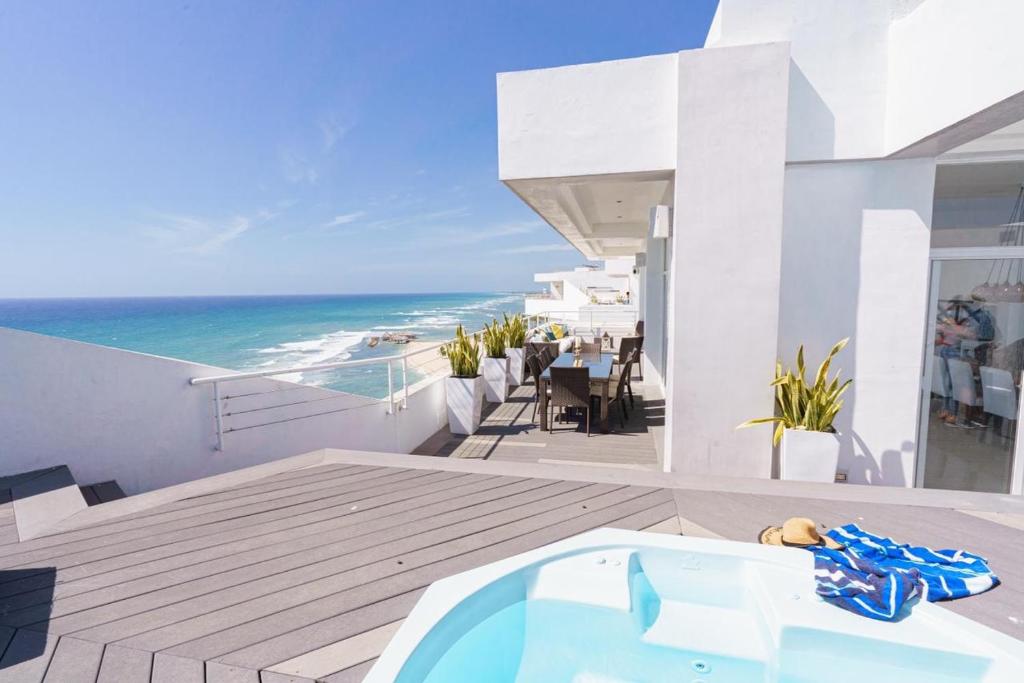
(510, 431)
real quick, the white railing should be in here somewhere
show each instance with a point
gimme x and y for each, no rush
(394, 403)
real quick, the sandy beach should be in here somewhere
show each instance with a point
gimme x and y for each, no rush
(428, 362)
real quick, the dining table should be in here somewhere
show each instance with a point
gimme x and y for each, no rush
(600, 367)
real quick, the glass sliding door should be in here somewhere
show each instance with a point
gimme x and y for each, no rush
(974, 359)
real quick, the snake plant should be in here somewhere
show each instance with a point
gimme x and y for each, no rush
(799, 405)
(463, 353)
(494, 340)
(515, 330)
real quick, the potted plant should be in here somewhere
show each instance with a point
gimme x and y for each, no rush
(515, 337)
(495, 363)
(805, 412)
(464, 390)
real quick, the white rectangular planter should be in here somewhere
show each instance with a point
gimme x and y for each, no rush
(808, 456)
(465, 399)
(496, 379)
(515, 366)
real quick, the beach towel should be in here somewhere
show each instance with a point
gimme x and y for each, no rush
(876, 576)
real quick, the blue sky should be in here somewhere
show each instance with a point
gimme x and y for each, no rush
(282, 147)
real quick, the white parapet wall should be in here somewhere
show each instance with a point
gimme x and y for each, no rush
(113, 414)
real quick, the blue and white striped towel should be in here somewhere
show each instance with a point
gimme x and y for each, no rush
(875, 576)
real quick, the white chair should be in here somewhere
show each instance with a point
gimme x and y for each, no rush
(998, 393)
(940, 377)
(964, 390)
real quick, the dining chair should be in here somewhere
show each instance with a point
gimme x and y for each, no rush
(590, 348)
(619, 396)
(570, 388)
(534, 365)
(546, 358)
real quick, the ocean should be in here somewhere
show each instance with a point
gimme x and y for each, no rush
(264, 332)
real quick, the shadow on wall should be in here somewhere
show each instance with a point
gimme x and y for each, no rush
(816, 138)
(27, 600)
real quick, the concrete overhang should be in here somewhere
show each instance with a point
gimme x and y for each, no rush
(604, 216)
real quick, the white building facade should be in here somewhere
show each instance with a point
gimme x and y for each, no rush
(833, 169)
(595, 295)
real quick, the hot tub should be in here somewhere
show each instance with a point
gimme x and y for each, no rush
(612, 605)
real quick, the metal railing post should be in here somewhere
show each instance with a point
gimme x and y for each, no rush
(391, 390)
(405, 383)
(219, 418)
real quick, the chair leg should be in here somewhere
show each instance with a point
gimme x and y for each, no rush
(536, 400)
(622, 414)
(588, 421)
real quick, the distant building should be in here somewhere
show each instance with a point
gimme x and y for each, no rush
(590, 293)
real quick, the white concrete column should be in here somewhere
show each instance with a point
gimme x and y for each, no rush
(726, 250)
(855, 264)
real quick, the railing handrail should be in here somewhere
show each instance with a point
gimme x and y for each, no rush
(313, 368)
(390, 400)
(213, 379)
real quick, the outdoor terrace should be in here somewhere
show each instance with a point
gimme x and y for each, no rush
(302, 569)
(509, 432)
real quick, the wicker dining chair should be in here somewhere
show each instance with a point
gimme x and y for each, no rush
(590, 348)
(619, 395)
(546, 357)
(570, 388)
(534, 365)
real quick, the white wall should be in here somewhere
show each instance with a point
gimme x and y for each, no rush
(609, 117)
(949, 60)
(855, 263)
(840, 62)
(727, 238)
(113, 414)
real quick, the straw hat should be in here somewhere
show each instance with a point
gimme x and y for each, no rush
(799, 532)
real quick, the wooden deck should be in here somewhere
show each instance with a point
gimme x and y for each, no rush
(510, 432)
(305, 574)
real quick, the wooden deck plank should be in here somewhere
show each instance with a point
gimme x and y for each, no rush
(309, 557)
(170, 669)
(124, 665)
(353, 674)
(300, 630)
(340, 518)
(154, 522)
(271, 489)
(185, 555)
(77, 551)
(74, 661)
(260, 598)
(343, 654)
(27, 656)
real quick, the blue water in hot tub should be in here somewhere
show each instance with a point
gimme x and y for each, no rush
(534, 641)
(498, 635)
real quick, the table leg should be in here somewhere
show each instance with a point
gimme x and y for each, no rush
(543, 405)
(604, 407)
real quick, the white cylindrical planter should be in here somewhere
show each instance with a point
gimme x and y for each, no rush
(808, 456)
(515, 366)
(496, 379)
(465, 399)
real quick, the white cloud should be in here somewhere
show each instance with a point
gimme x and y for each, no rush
(332, 130)
(297, 169)
(420, 218)
(344, 219)
(483, 234)
(538, 248)
(201, 236)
